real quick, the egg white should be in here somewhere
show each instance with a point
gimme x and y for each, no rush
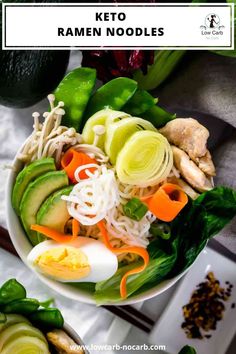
(103, 263)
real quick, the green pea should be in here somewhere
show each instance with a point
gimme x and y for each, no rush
(158, 116)
(22, 307)
(75, 90)
(10, 291)
(139, 103)
(47, 318)
(114, 94)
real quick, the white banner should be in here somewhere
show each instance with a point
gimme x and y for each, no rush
(118, 26)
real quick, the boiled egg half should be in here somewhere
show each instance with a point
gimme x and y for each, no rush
(81, 260)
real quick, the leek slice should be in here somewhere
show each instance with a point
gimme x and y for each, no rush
(118, 132)
(19, 330)
(13, 319)
(100, 118)
(26, 345)
(145, 160)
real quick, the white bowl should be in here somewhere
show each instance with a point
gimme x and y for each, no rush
(74, 335)
(23, 247)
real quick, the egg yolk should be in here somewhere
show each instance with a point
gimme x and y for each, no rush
(66, 263)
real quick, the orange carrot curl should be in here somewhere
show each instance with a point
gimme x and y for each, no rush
(56, 235)
(142, 252)
(73, 159)
(167, 202)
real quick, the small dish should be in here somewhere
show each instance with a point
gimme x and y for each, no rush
(168, 331)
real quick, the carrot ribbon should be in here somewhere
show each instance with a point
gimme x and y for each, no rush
(73, 159)
(56, 235)
(166, 202)
(142, 252)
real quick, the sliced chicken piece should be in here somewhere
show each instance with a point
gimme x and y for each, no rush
(206, 164)
(185, 186)
(188, 134)
(63, 343)
(190, 171)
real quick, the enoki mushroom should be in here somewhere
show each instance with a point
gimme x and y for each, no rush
(50, 138)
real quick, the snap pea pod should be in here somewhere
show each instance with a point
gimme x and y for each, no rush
(75, 90)
(10, 291)
(114, 94)
(139, 103)
(22, 306)
(49, 318)
(158, 116)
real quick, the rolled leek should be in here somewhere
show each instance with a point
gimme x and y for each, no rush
(118, 132)
(17, 331)
(100, 118)
(145, 160)
(26, 345)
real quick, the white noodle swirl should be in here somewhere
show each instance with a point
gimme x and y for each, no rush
(92, 198)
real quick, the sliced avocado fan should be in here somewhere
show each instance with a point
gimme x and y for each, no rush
(53, 212)
(27, 175)
(35, 194)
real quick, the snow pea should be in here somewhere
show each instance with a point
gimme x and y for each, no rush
(50, 318)
(75, 90)
(139, 103)
(158, 116)
(114, 94)
(22, 306)
(10, 291)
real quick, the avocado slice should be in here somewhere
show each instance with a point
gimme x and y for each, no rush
(35, 194)
(27, 175)
(53, 212)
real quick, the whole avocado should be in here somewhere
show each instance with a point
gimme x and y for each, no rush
(27, 76)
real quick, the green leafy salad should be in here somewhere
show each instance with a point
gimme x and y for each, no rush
(115, 194)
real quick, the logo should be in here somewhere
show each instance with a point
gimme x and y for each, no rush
(212, 27)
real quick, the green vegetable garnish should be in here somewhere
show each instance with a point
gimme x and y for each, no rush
(158, 116)
(22, 306)
(14, 302)
(10, 291)
(47, 318)
(135, 209)
(160, 230)
(139, 103)
(75, 90)
(187, 350)
(115, 94)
